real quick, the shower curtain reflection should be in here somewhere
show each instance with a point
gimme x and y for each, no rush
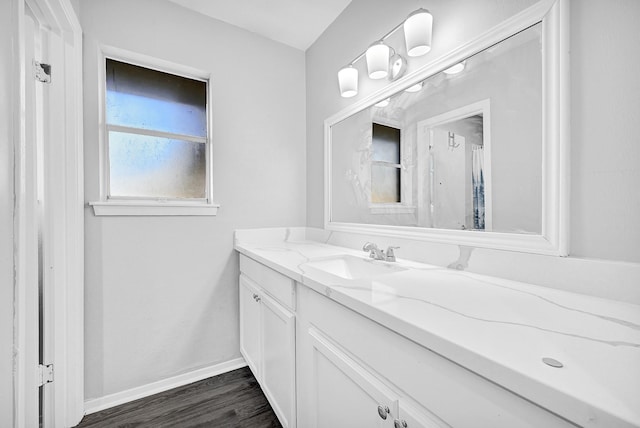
(477, 177)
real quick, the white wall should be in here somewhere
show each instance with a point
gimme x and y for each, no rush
(7, 60)
(605, 130)
(75, 4)
(161, 292)
(605, 105)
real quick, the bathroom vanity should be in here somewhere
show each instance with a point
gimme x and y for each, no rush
(336, 339)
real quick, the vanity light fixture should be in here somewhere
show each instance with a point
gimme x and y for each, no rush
(383, 103)
(455, 69)
(382, 59)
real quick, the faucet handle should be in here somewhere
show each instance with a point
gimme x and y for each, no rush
(374, 251)
(368, 246)
(390, 255)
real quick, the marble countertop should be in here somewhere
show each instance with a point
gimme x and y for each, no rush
(497, 328)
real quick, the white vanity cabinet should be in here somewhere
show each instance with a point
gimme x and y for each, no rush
(346, 394)
(354, 372)
(323, 365)
(267, 334)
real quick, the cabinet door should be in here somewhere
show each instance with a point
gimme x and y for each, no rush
(250, 329)
(346, 394)
(278, 359)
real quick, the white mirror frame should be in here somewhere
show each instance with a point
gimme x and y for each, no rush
(554, 239)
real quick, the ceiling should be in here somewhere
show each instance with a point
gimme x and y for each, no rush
(297, 23)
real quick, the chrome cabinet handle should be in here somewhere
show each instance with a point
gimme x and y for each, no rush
(256, 297)
(383, 411)
(400, 423)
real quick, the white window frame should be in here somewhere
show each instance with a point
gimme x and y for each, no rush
(124, 206)
(405, 206)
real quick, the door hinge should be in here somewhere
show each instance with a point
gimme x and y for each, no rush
(45, 374)
(42, 72)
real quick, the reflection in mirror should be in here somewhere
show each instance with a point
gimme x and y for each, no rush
(455, 180)
(460, 150)
(385, 164)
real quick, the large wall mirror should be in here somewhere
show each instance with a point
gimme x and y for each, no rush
(469, 150)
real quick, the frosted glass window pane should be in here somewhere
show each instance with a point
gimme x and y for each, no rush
(385, 184)
(139, 97)
(146, 166)
(385, 144)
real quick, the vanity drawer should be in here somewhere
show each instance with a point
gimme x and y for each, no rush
(455, 395)
(277, 285)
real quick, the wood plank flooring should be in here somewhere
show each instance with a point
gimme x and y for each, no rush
(232, 399)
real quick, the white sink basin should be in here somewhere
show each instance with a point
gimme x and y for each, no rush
(351, 267)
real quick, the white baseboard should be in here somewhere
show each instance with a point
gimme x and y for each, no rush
(97, 404)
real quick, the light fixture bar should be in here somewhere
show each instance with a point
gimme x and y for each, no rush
(383, 38)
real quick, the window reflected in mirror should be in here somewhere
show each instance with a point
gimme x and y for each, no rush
(385, 164)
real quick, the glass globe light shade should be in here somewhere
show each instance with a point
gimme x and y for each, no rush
(378, 60)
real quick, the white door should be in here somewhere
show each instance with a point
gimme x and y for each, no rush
(48, 225)
(250, 329)
(346, 394)
(278, 359)
(32, 228)
(449, 174)
(37, 289)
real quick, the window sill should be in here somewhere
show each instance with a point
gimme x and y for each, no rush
(392, 209)
(146, 208)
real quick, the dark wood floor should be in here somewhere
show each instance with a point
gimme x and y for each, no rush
(231, 399)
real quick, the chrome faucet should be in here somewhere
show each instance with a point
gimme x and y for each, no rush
(374, 252)
(377, 254)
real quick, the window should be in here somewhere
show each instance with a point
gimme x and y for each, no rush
(385, 165)
(156, 147)
(391, 181)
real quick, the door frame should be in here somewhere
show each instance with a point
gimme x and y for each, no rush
(64, 221)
